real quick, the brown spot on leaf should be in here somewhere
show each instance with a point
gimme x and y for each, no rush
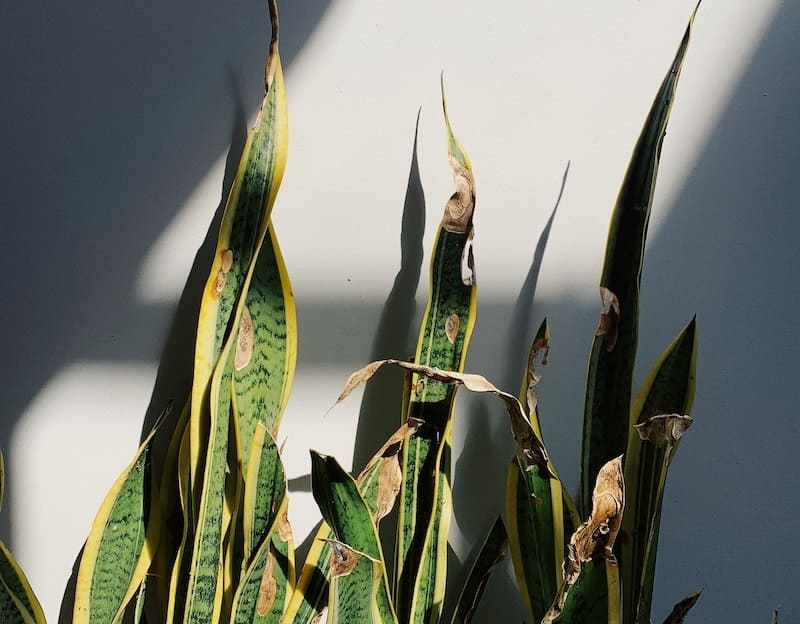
(245, 341)
(268, 589)
(219, 283)
(227, 260)
(343, 559)
(451, 325)
(284, 528)
(609, 318)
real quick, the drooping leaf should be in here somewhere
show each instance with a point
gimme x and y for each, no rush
(611, 361)
(120, 545)
(667, 390)
(490, 555)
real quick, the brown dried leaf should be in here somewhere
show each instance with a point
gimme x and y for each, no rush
(284, 528)
(664, 428)
(679, 611)
(594, 539)
(530, 450)
(609, 318)
(461, 205)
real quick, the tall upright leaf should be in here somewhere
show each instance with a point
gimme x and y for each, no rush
(667, 390)
(425, 507)
(611, 361)
(242, 231)
(541, 515)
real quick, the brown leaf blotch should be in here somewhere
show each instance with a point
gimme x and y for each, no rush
(226, 260)
(268, 589)
(343, 559)
(245, 341)
(451, 326)
(609, 318)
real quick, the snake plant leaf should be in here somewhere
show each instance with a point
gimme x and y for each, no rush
(683, 606)
(379, 485)
(242, 231)
(611, 361)
(120, 545)
(445, 332)
(659, 415)
(264, 491)
(266, 350)
(18, 603)
(267, 584)
(530, 450)
(490, 555)
(540, 512)
(579, 598)
(205, 587)
(359, 586)
(2, 479)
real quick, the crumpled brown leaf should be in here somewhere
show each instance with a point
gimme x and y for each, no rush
(530, 450)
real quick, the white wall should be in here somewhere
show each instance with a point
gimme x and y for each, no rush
(117, 121)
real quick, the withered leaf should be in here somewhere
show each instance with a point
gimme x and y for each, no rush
(530, 450)
(594, 539)
(664, 428)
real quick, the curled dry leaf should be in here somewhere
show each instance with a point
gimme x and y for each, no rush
(390, 475)
(530, 450)
(458, 212)
(609, 318)
(594, 539)
(664, 428)
(679, 611)
(541, 344)
(343, 558)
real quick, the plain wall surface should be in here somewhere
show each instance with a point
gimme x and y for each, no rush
(120, 121)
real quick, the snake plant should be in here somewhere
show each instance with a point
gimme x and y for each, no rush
(207, 539)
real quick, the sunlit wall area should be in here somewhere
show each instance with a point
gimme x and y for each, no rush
(123, 122)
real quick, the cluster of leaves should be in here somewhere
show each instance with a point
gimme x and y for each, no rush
(209, 540)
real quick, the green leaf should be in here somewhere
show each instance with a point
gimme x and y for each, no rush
(611, 362)
(361, 588)
(120, 546)
(490, 555)
(683, 606)
(378, 484)
(668, 389)
(18, 603)
(242, 232)
(540, 513)
(425, 507)
(266, 585)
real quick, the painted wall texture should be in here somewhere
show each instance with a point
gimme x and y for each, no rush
(120, 121)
